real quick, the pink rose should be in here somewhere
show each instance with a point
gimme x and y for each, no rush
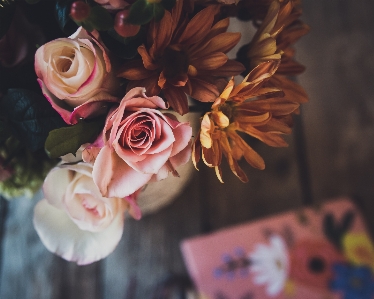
(75, 76)
(140, 144)
(74, 220)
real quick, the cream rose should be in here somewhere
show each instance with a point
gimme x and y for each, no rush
(75, 76)
(74, 220)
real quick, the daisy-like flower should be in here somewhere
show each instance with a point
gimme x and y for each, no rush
(270, 264)
(251, 108)
(185, 56)
(279, 30)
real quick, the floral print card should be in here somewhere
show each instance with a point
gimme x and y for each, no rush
(323, 253)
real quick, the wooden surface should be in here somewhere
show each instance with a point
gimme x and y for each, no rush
(338, 124)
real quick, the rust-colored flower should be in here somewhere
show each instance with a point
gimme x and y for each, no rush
(279, 30)
(252, 108)
(184, 56)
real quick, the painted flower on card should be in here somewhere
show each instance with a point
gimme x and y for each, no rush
(76, 77)
(359, 249)
(356, 282)
(311, 262)
(140, 145)
(270, 265)
(74, 220)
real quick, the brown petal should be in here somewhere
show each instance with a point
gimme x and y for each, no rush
(277, 106)
(210, 62)
(223, 42)
(150, 84)
(250, 155)
(196, 151)
(230, 68)
(147, 59)
(218, 170)
(201, 90)
(176, 14)
(134, 70)
(218, 28)
(250, 118)
(263, 71)
(176, 98)
(208, 156)
(199, 26)
(276, 126)
(293, 91)
(235, 168)
(161, 33)
(271, 139)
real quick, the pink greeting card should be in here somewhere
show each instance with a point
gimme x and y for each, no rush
(323, 253)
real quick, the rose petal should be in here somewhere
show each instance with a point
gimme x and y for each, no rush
(114, 177)
(63, 237)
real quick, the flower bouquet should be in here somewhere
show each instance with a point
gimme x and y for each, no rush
(94, 97)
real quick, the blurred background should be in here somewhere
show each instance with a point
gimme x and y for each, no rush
(331, 153)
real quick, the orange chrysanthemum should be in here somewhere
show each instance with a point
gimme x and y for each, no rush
(279, 30)
(252, 108)
(185, 56)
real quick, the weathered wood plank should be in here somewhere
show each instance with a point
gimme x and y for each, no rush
(25, 262)
(339, 120)
(29, 271)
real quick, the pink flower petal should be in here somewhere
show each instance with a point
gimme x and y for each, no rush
(114, 177)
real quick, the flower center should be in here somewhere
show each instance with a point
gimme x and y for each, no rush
(175, 63)
(316, 265)
(64, 64)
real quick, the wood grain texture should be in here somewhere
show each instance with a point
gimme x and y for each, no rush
(339, 119)
(339, 134)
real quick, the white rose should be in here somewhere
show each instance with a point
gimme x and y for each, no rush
(73, 220)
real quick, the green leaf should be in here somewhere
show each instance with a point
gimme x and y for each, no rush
(141, 12)
(62, 9)
(68, 140)
(30, 116)
(87, 25)
(6, 17)
(158, 12)
(100, 18)
(124, 47)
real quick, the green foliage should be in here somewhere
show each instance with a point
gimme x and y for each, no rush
(68, 140)
(30, 117)
(142, 11)
(28, 168)
(124, 47)
(99, 19)
(62, 10)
